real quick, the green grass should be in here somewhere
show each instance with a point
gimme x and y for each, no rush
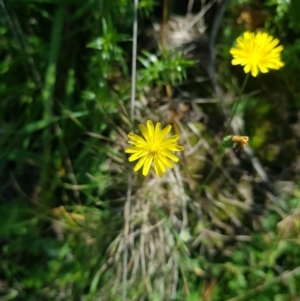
(201, 232)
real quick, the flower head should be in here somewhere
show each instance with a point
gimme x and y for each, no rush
(257, 52)
(154, 146)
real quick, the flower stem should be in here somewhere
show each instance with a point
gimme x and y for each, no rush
(214, 167)
(237, 103)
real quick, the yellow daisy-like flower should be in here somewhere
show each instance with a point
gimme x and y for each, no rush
(153, 147)
(257, 52)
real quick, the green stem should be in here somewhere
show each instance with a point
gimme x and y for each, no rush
(214, 167)
(237, 103)
(47, 96)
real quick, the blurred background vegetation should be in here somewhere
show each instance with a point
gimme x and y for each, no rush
(64, 95)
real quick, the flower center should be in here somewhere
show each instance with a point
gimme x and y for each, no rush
(153, 148)
(255, 56)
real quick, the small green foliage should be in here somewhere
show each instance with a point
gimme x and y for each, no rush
(146, 7)
(164, 68)
(228, 143)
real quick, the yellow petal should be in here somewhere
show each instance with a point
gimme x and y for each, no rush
(170, 144)
(136, 138)
(157, 130)
(157, 169)
(165, 132)
(247, 68)
(132, 149)
(150, 128)
(263, 69)
(159, 165)
(137, 155)
(177, 148)
(169, 155)
(166, 161)
(147, 165)
(254, 70)
(140, 163)
(236, 62)
(144, 131)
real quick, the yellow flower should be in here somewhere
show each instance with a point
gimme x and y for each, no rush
(153, 147)
(257, 52)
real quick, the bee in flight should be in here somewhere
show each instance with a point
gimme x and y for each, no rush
(236, 142)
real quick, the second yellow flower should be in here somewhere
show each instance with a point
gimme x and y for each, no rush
(257, 52)
(153, 147)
